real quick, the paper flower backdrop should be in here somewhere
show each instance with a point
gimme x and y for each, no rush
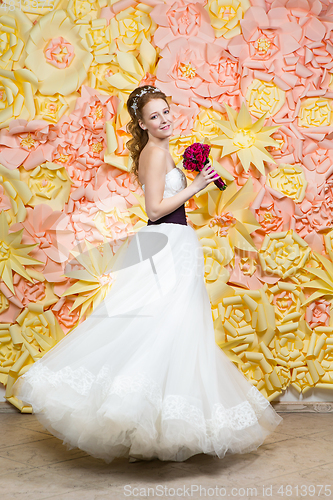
(252, 77)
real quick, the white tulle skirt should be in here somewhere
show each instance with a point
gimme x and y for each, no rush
(143, 376)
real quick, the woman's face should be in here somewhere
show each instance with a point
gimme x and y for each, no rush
(157, 119)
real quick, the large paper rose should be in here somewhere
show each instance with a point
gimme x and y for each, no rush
(54, 236)
(226, 15)
(273, 211)
(264, 97)
(315, 112)
(52, 108)
(14, 32)
(313, 218)
(57, 54)
(17, 89)
(318, 313)
(130, 26)
(191, 69)
(181, 19)
(126, 72)
(283, 254)
(49, 183)
(27, 143)
(289, 180)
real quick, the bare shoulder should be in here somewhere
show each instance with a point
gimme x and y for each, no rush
(153, 162)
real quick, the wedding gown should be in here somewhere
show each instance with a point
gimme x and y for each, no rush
(142, 376)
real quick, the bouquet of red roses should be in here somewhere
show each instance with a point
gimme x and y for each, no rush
(195, 157)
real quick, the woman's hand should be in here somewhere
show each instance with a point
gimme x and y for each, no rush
(207, 175)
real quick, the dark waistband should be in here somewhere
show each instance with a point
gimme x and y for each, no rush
(178, 216)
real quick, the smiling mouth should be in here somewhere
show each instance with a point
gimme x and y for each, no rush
(167, 126)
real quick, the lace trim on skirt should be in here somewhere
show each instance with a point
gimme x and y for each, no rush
(171, 406)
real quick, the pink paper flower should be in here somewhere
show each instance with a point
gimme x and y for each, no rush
(66, 319)
(313, 217)
(246, 272)
(181, 19)
(27, 143)
(318, 313)
(27, 292)
(273, 211)
(82, 136)
(4, 200)
(290, 150)
(54, 235)
(184, 117)
(59, 52)
(190, 69)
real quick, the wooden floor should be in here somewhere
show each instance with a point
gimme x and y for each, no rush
(34, 465)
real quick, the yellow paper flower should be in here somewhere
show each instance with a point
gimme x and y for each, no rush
(17, 191)
(264, 97)
(96, 279)
(116, 136)
(226, 214)
(315, 112)
(323, 279)
(99, 37)
(226, 15)
(17, 89)
(283, 254)
(33, 7)
(131, 26)
(289, 180)
(35, 332)
(83, 9)
(321, 357)
(39, 328)
(51, 108)
(14, 32)
(248, 140)
(128, 71)
(328, 239)
(49, 183)
(14, 255)
(4, 303)
(287, 299)
(244, 328)
(57, 54)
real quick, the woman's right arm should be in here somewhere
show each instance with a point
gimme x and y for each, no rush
(155, 167)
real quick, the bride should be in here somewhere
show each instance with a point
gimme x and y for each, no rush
(143, 377)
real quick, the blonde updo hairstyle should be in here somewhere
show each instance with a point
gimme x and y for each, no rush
(135, 103)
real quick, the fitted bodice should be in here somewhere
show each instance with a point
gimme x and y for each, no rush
(175, 181)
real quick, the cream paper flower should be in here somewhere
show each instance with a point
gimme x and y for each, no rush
(49, 183)
(264, 97)
(14, 255)
(248, 140)
(17, 191)
(226, 15)
(14, 32)
(283, 254)
(315, 112)
(17, 89)
(289, 180)
(96, 279)
(57, 54)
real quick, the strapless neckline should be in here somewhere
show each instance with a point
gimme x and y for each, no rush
(174, 168)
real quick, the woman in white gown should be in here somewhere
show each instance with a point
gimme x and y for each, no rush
(143, 376)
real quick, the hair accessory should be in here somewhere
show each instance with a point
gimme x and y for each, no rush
(152, 90)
